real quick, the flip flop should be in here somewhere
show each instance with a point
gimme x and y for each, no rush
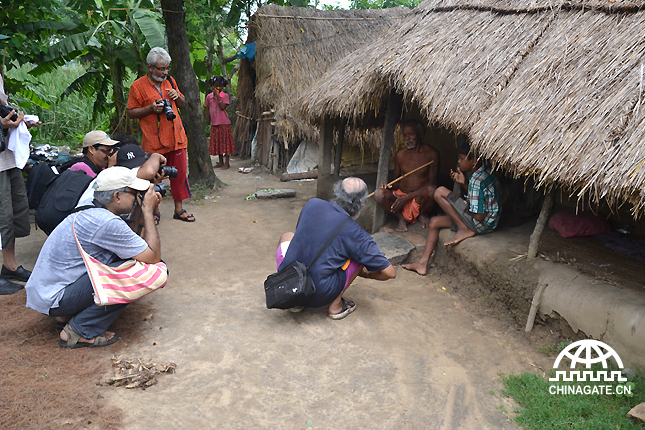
(348, 307)
(178, 215)
(73, 340)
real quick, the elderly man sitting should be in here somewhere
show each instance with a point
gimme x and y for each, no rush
(352, 253)
(60, 285)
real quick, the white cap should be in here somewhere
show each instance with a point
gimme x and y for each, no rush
(119, 177)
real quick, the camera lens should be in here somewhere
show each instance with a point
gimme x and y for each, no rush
(169, 171)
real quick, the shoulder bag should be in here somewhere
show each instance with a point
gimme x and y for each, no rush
(125, 283)
(293, 286)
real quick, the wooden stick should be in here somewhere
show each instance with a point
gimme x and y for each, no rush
(401, 177)
(534, 306)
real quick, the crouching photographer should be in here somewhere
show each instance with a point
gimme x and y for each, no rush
(123, 267)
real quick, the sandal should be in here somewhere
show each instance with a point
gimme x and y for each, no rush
(187, 218)
(348, 307)
(73, 340)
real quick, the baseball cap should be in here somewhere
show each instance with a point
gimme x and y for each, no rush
(131, 156)
(98, 137)
(117, 177)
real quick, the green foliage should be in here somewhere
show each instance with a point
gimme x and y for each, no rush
(65, 121)
(552, 349)
(541, 410)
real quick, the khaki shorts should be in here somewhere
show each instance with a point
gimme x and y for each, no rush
(461, 206)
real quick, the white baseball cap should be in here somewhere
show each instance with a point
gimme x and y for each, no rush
(117, 177)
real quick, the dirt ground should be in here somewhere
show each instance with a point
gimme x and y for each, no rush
(418, 353)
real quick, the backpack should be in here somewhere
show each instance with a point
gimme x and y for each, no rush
(40, 176)
(60, 199)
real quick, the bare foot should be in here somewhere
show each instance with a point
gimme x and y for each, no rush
(218, 165)
(225, 167)
(420, 268)
(403, 225)
(424, 220)
(459, 236)
(108, 335)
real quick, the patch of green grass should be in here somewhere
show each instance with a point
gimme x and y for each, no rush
(552, 349)
(541, 410)
(200, 191)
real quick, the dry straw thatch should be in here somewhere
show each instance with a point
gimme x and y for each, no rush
(544, 89)
(295, 46)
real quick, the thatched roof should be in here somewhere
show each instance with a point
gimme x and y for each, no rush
(545, 89)
(295, 46)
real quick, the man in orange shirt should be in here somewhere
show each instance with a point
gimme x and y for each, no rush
(162, 133)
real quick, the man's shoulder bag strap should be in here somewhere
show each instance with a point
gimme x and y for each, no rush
(333, 235)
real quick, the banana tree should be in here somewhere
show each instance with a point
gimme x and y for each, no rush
(119, 34)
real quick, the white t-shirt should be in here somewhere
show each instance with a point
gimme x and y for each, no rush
(102, 235)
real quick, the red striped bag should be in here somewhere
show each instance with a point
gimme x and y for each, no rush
(125, 283)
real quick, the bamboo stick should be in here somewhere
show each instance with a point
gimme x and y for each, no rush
(401, 177)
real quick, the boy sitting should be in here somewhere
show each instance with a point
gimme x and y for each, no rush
(478, 214)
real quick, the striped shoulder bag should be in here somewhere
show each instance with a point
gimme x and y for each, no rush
(125, 283)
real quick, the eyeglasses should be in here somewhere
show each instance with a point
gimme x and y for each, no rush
(162, 69)
(135, 193)
(108, 152)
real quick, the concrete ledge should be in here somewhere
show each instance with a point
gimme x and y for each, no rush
(601, 311)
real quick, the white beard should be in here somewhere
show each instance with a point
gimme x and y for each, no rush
(158, 78)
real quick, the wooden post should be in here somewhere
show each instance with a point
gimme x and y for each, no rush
(324, 158)
(547, 205)
(394, 105)
(534, 306)
(339, 148)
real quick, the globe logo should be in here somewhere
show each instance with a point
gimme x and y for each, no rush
(588, 352)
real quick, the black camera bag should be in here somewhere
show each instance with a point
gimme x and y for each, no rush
(292, 286)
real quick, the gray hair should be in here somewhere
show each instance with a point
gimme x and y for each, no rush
(105, 197)
(157, 54)
(350, 194)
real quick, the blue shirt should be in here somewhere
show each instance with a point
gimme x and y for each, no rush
(317, 222)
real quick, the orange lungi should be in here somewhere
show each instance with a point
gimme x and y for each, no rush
(411, 209)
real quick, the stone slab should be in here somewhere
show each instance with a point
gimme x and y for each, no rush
(396, 249)
(275, 193)
(638, 413)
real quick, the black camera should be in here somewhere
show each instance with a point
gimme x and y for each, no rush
(167, 109)
(161, 189)
(6, 110)
(170, 171)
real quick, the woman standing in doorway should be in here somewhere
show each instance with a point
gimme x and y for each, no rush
(221, 138)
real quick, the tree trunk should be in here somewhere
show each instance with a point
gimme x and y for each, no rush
(199, 160)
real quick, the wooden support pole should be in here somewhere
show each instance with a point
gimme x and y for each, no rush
(325, 147)
(534, 306)
(339, 148)
(394, 105)
(534, 243)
